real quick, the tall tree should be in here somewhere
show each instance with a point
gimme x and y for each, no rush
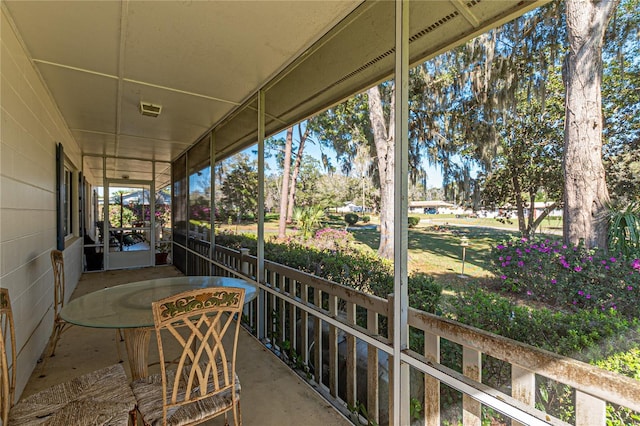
(526, 166)
(383, 136)
(282, 221)
(289, 156)
(367, 120)
(333, 190)
(239, 189)
(296, 171)
(308, 184)
(272, 191)
(586, 194)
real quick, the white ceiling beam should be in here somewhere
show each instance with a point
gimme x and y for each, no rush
(464, 11)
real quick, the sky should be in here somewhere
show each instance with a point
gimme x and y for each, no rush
(434, 175)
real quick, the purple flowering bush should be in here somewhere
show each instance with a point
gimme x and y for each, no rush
(568, 277)
(200, 212)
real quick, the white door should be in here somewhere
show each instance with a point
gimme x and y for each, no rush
(128, 222)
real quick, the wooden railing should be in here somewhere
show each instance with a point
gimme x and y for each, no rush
(335, 337)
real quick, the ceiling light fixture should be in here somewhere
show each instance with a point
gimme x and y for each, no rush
(149, 109)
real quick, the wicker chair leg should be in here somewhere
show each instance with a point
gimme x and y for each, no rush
(50, 351)
(133, 417)
(237, 416)
(57, 332)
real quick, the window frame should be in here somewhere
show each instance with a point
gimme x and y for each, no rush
(65, 216)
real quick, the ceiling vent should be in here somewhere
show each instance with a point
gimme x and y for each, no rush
(150, 110)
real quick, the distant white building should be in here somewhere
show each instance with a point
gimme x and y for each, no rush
(540, 206)
(433, 207)
(349, 208)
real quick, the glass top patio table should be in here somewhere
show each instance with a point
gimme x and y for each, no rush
(129, 305)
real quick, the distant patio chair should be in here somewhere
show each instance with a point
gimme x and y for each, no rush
(102, 397)
(93, 256)
(204, 384)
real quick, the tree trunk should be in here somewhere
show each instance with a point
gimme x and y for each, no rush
(384, 140)
(585, 192)
(532, 213)
(519, 203)
(294, 175)
(282, 220)
(543, 215)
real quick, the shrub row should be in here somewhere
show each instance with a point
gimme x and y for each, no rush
(329, 255)
(586, 335)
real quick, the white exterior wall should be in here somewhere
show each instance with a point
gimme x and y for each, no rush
(30, 127)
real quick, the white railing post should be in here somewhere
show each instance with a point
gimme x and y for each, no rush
(590, 410)
(403, 372)
(317, 337)
(523, 387)
(352, 358)
(272, 307)
(293, 327)
(431, 384)
(261, 314)
(333, 347)
(244, 264)
(282, 307)
(373, 390)
(304, 326)
(472, 368)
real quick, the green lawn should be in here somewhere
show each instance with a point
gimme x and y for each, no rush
(551, 225)
(437, 250)
(434, 245)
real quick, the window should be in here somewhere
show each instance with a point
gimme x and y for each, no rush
(68, 202)
(64, 198)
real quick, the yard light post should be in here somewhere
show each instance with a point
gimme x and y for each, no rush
(464, 243)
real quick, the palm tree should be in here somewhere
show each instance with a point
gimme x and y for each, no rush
(624, 229)
(308, 219)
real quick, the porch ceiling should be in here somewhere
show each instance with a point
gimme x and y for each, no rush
(204, 61)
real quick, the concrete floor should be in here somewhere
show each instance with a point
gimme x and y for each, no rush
(272, 394)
